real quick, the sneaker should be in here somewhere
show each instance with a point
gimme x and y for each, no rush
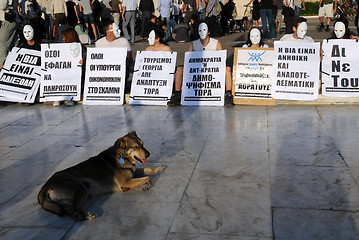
(327, 29)
(70, 103)
(175, 99)
(228, 100)
(56, 103)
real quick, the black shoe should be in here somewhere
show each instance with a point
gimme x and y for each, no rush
(228, 100)
(327, 29)
(175, 99)
(321, 27)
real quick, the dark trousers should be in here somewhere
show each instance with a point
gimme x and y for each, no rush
(60, 19)
(213, 26)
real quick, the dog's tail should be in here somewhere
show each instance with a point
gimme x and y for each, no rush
(46, 203)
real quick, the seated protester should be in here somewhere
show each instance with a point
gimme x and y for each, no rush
(158, 24)
(69, 35)
(155, 41)
(300, 29)
(113, 39)
(29, 40)
(82, 32)
(255, 39)
(149, 27)
(181, 31)
(205, 43)
(341, 30)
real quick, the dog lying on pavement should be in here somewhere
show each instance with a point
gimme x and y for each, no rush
(112, 170)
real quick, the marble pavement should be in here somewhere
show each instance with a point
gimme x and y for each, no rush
(248, 172)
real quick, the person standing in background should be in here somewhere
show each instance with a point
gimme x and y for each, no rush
(115, 8)
(147, 8)
(164, 7)
(326, 9)
(129, 17)
(298, 8)
(59, 13)
(266, 12)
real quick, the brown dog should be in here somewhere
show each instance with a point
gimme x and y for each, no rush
(112, 170)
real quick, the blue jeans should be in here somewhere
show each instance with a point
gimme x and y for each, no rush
(267, 14)
(167, 20)
(297, 11)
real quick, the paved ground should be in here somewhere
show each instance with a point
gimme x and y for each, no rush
(248, 172)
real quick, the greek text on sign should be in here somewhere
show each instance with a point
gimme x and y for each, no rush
(153, 78)
(61, 72)
(204, 78)
(296, 71)
(253, 73)
(340, 74)
(20, 76)
(105, 76)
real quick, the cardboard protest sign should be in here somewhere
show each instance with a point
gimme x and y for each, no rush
(20, 76)
(252, 76)
(105, 76)
(296, 71)
(204, 78)
(340, 71)
(61, 72)
(153, 78)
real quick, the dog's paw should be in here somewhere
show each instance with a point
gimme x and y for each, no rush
(160, 169)
(146, 186)
(76, 216)
(90, 216)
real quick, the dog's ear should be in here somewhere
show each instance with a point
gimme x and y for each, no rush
(132, 133)
(120, 143)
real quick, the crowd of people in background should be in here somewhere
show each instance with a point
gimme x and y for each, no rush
(25, 23)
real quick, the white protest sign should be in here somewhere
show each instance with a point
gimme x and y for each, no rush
(340, 71)
(296, 70)
(105, 76)
(153, 78)
(253, 73)
(20, 76)
(204, 78)
(61, 72)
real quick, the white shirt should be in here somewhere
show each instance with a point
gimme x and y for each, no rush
(117, 43)
(264, 46)
(290, 38)
(211, 46)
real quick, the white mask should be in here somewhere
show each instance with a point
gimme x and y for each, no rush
(116, 30)
(302, 30)
(339, 29)
(255, 36)
(151, 38)
(203, 31)
(28, 32)
(74, 49)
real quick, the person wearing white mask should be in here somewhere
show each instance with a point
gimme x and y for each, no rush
(29, 41)
(155, 42)
(255, 39)
(341, 29)
(113, 39)
(300, 28)
(205, 43)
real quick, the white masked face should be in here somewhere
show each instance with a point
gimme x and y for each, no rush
(302, 30)
(203, 31)
(151, 38)
(28, 32)
(74, 49)
(339, 29)
(116, 30)
(255, 36)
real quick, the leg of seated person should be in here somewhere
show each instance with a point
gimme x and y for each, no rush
(176, 96)
(179, 79)
(228, 98)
